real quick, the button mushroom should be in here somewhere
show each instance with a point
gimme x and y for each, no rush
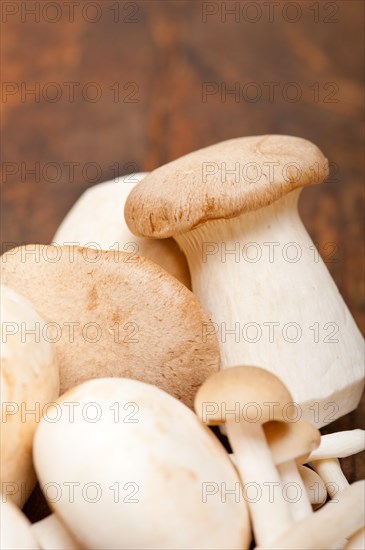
(157, 479)
(244, 398)
(291, 442)
(328, 526)
(232, 208)
(324, 459)
(96, 220)
(51, 534)
(29, 381)
(111, 317)
(15, 532)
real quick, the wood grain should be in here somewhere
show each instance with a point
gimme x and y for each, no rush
(164, 59)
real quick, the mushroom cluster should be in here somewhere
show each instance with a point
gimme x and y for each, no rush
(114, 372)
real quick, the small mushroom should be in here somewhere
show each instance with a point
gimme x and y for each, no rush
(357, 541)
(232, 208)
(29, 381)
(97, 220)
(290, 442)
(51, 534)
(108, 316)
(324, 459)
(15, 532)
(314, 485)
(155, 479)
(240, 397)
(330, 525)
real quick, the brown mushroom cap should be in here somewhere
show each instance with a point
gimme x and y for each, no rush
(222, 181)
(255, 390)
(291, 440)
(132, 319)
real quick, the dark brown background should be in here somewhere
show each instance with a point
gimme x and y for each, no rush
(166, 52)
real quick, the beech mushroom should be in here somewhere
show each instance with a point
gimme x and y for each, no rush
(96, 220)
(330, 525)
(232, 208)
(325, 462)
(291, 442)
(314, 485)
(29, 381)
(241, 397)
(139, 481)
(15, 532)
(51, 534)
(109, 317)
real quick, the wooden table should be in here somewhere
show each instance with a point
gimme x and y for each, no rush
(119, 87)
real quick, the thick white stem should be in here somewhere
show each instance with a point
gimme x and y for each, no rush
(299, 504)
(275, 305)
(261, 482)
(329, 469)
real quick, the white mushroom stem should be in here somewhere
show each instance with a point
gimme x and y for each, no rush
(51, 534)
(357, 541)
(329, 525)
(299, 504)
(269, 512)
(314, 485)
(274, 304)
(339, 445)
(329, 469)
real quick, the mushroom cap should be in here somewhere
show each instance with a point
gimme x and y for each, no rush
(15, 532)
(291, 440)
(109, 316)
(315, 486)
(29, 380)
(97, 220)
(148, 460)
(250, 393)
(216, 183)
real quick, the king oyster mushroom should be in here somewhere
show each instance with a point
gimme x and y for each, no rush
(141, 483)
(96, 220)
(110, 317)
(29, 381)
(232, 208)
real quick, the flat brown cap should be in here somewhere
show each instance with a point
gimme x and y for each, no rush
(247, 392)
(109, 316)
(222, 181)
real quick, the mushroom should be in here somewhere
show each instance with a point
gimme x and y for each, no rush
(314, 486)
(51, 534)
(357, 541)
(324, 459)
(328, 526)
(242, 398)
(109, 317)
(291, 442)
(15, 532)
(29, 381)
(160, 480)
(232, 208)
(96, 220)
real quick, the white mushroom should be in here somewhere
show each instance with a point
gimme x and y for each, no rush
(325, 462)
(238, 397)
(153, 479)
(328, 526)
(232, 208)
(51, 534)
(314, 485)
(29, 382)
(96, 220)
(15, 532)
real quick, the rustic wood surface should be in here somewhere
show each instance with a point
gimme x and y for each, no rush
(150, 64)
